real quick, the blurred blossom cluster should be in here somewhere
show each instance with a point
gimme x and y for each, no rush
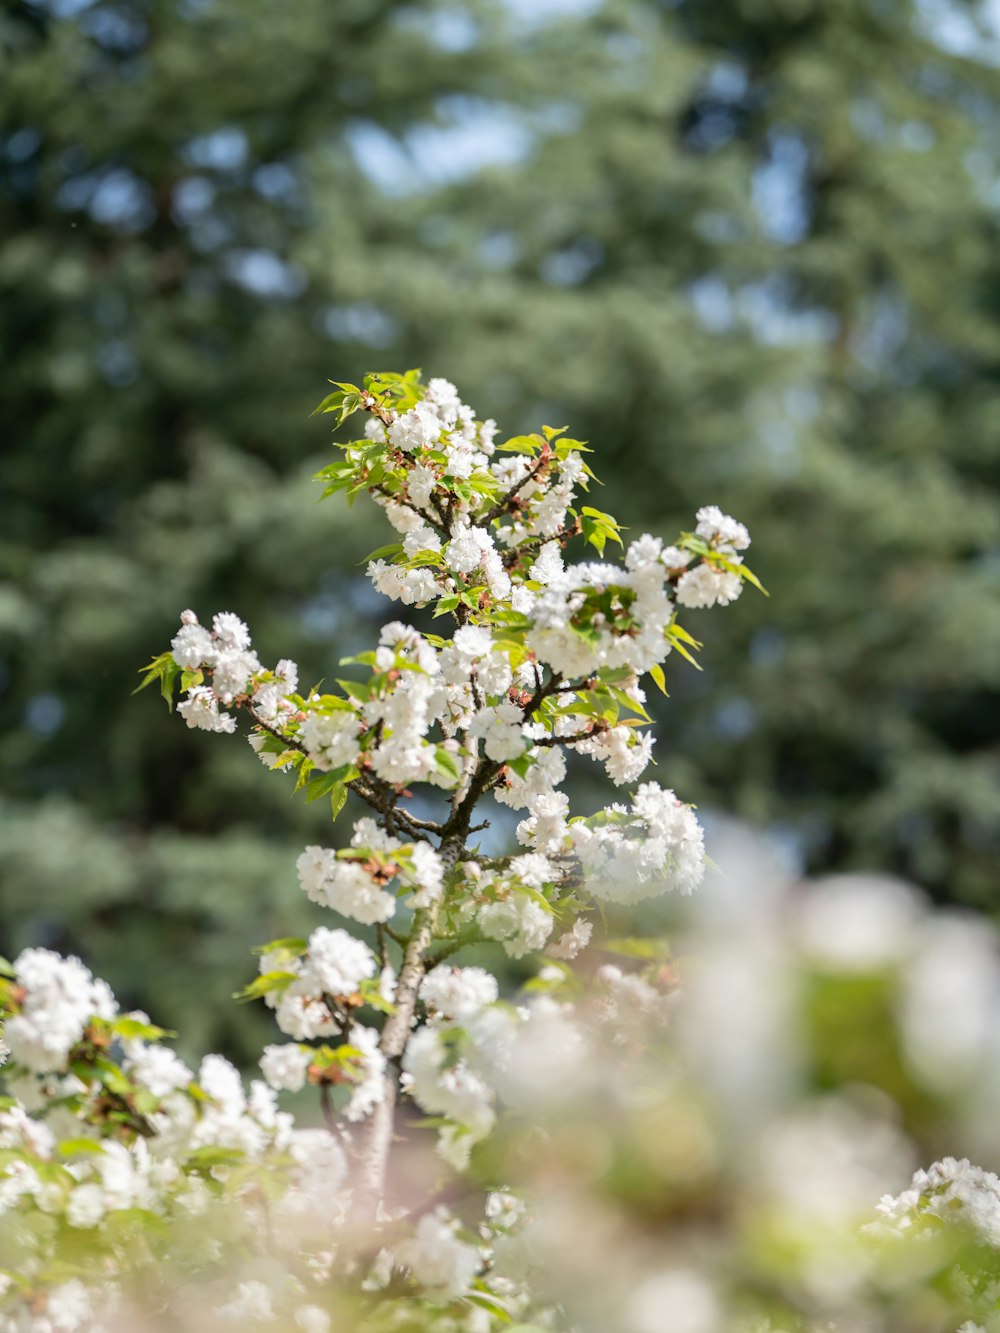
(723, 1133)
(747, 1156)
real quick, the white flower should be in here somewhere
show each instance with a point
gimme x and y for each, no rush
(315, 866)
(443, 397)
(420, 484)
(288, 673)
(721, 531)
(549, 564)
(201, 710)
(231, 632)
(645, 550)
(705, 586)
(439, 1261)
(533, 869)
(625, 754)
(344, 885)
(517, 921)
(422, 538)
(573, 941)
(442, 1085)
(504, 1209)
(221, 1081)
(303, 1015)
(428, 874)
(417, 429)
(546, 828)
(285, 1066)
(338, 961)
(409, 586)
(85, 1207)
(458, 992)
(157, 1068)
(659, 848)
(368, 1073)
(60, 998)
(193, 647)
(68, 1308)
(233, 673)
(501, 729)
(321, 1164)
(331, 739)
(467, 548)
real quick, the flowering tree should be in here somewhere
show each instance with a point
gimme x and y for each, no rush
(545, 658)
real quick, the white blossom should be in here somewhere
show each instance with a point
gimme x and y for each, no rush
(500, 729)
(706, 586)
(338, 961)
(201, 710)
(517, 921)
(573, 941)
(457, 992)
(438, 1259)
(285, 1066)
(331, 739)
(721, 531)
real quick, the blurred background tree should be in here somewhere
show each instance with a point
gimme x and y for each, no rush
(747, 249)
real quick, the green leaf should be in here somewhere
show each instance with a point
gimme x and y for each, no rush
(447, 763)
(371, 995)
(264, 985)
(165, 670)
(211, 1155)
(487, 1302)
(520, 444)
(751, 577)
(322, 785)
(388, 552)
(108, 1074)
(676, 642)
(338, 799)
(134, 1029)
(628, 703)
(291, 943)
(676, 630)
(75, 1147)
(656, 671)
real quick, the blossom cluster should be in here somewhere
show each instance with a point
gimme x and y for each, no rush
(106, 1133)
(950, 1190)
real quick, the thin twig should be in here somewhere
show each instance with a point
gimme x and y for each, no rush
(503, 504)
(408, 504)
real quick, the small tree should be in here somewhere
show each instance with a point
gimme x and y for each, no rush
(545, 658)
(108, 1133)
